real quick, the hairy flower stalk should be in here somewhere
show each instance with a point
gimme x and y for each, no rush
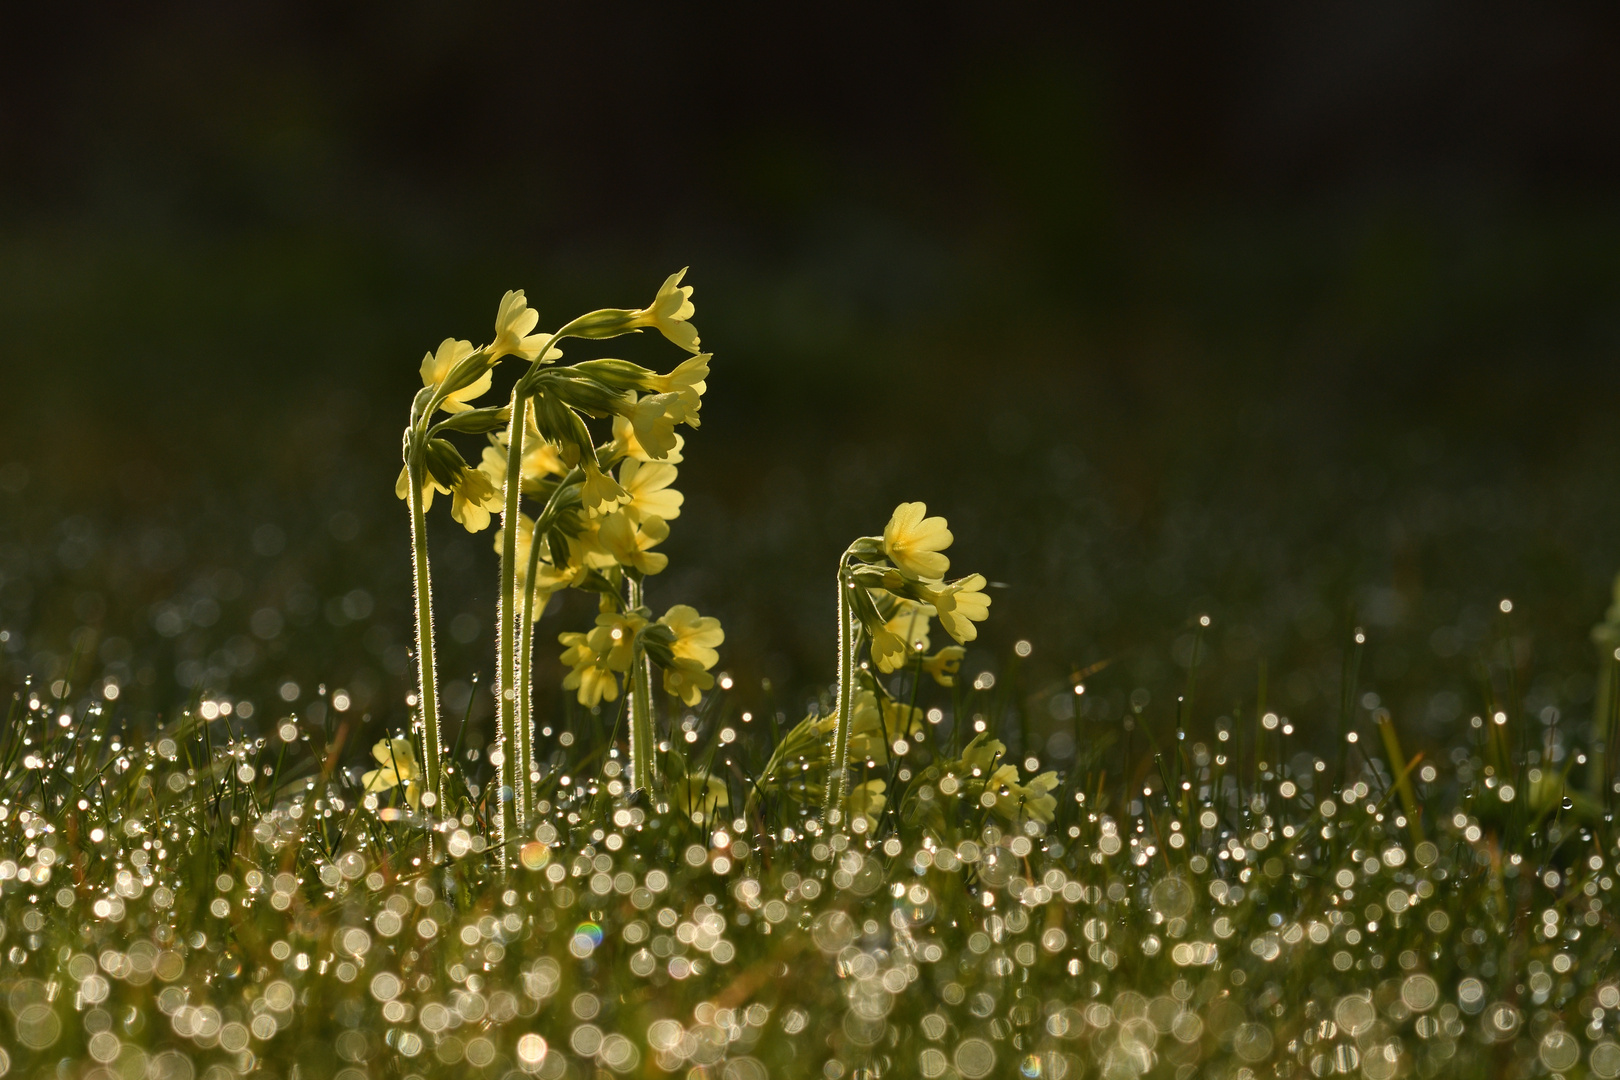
(426, 671)
(837, 774)
(643, 753)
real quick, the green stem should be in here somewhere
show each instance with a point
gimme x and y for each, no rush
(509, 819)
(836, 778)
(525, 713)
(642, 751)
(427, 672)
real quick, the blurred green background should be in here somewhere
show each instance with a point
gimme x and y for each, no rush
(1303, 318)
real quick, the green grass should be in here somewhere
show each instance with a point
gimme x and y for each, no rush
(214, 898)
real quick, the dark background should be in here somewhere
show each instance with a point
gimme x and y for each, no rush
(1301, 316)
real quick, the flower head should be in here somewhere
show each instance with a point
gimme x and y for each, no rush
(473, 497)
(513, 323)
(590, 675)
(695, 635)
(944, 664)
(688, 382)
(625, 444)
(647, 484)
(902, 636)
(442, 365)
(669, 313)
(600, 493)
(1016, 800)
(914, 542)
(961, 604)
(631, 543)
(397, 759)
(866, 802)
(653, 419)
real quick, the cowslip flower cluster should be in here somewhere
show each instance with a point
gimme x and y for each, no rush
(599, 509)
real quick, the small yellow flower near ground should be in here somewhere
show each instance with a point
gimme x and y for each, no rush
(670, 311)
(626, 445)
(960, 605)
(914, 542)
(650, 494)
(513, 322)
(436, 367)
(398, 760)
(874, 728)
(944, 664)
(1016, 800)
(631, 544)
(590, 676)
(687, 680)
(866, 802)
(702, 796)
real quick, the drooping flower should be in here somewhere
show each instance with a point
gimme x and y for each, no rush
(653, 419)
(615, 636)
(687, 381)
(1016, 800)
(473, 497)
(875, 727)
(625, 444)
(914, 542)
(670, 311)
(397, 758)
(696, 636)
(944, 664)
(590, 675)
(960, 605)
(903, 636)
(600, 493)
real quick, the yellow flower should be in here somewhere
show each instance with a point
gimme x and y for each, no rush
(702, 796)
(903, 636)
(652, 420)
(473, 497)
(695, 635)
(436, 367)
(398, 760)
(513, 321)
(687, 381)
(647, 483)
(600, 493)
(670, 310)
(981, 755)
(631, 544)
(1016, 800)
(615, 636)
(944, 664)
(914, 542)
(590, 675)
(625, 444)
(960, 605)
(687, 680)
(402, 487)
(866, 802)
(875, 728)
(540, 458)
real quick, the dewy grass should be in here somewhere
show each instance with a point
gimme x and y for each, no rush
(880, 890)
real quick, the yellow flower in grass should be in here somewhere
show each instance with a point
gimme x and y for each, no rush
(702, 797)
(437, 367)
(944, 664)
(625, 444)
(983, 755)
(1017, 801)
(961, 604)
(875, 727)
(397, 759)
(589, 675)
(695, 638)
(630, 543)
(513, 322)
(866, 802)
(670, 311)
(914, 542)
(687, 680)
(647, 484)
